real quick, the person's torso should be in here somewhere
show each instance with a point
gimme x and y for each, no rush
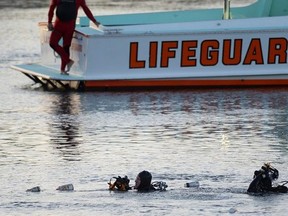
(66, 10)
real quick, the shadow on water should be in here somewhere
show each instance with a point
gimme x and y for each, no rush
(64, 126)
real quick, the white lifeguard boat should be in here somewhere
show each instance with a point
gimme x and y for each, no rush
(241, 46)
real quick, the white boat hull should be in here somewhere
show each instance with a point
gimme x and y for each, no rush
(235, 52)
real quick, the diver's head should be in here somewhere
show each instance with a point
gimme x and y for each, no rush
(143, 181)
(268, 171)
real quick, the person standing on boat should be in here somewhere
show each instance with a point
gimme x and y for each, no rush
(64, 26)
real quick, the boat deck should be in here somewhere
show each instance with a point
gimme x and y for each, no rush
(48, 76)
(46, 72)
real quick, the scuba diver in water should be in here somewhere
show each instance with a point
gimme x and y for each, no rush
(142, 183)
(263, 179)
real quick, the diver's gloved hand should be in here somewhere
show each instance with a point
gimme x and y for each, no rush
(266, 167)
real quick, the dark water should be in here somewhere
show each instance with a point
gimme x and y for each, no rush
(217, 137)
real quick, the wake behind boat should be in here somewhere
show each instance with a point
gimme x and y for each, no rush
(242, 46)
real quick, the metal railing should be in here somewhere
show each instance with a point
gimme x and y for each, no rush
(226, 10)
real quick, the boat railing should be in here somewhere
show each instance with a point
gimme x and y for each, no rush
(260, 8)
(226, 10)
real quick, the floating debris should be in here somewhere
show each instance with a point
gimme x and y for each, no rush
(192, 184)
(232, 210)
(34, 189)
(67, 187)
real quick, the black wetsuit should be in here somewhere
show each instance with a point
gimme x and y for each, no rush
(146, 189)
(263, 183)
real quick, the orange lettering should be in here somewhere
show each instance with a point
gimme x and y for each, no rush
(187, 53)
(254, 53)
(232, 57)
(167, 53)
(134, 62)
(209, 57)
(277, 48)
(153, 54)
